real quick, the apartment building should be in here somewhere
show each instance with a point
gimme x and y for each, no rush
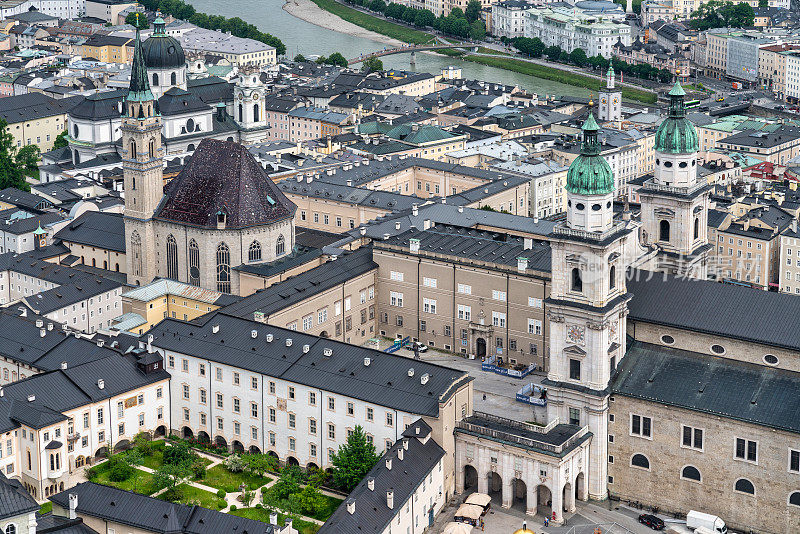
(465, 291)
(792, 75)
(717, 51)
(238, 51)
(789, 260)
(56, 422)
(97, 238)
(35, 118)
(314, 123)
(508, 18)
(748, 248)
(772, 68)
(547, 180)
(257, 387)
(571, 28)
(107, 48)
(777, 146)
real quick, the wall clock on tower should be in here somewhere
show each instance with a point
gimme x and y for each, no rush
(575, 333)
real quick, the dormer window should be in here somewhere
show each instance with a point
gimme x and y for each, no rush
(221, 218)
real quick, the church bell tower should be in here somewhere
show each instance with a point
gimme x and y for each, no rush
(610, 109)
(142, 164)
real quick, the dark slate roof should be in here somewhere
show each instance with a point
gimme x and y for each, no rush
(223, 176)
(14, 499)
(304, 285)
(176, 101)
(759, 139)
(23, 199)
(711, 384)
(57, 298)
(154, 515)
(211, 90)
(372, 515)
(16, 221)
(712, 308)
(61, 525)
(469, 244)
(98, 106)
(31, 106)
(384, 382)
(96, 229)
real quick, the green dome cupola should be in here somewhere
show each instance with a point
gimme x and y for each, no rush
(677, 134)
(590, 173)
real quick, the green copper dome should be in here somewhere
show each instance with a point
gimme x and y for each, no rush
(590, 173)
(677, 134)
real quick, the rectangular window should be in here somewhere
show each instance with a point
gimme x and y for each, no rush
(429, 305)
(464, 312)
(533, 302)
(99, 416)
(185, 391)
(574, 369)
(574, 416)
(370, 414)
(692, 437)
(291, 393)
(746, 450)
(498, 295)
(312, 426)
(389, 419)
(499, 319)
(254, 383)
(219, 400)
(429, 282)
(272, 415)
(312, 398)
(202, 396)
(292, 421)
(535, 327)
(794, 460)
(351, 410)
(396, 276)
(331, 431)
(219, 373)
(641, 426)
(465, 289)
(331, 403)
(272, 388)
(253, 409)
(396, 299)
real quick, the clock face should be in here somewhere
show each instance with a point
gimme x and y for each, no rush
(575, 333)
(616, 100)
(603, 100)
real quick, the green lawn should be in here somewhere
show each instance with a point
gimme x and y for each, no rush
(260, 514)
(332, 504)
(46, 508)
(375, 24)
(140, 482)
(219, 477)
(557, 75)
(155, 459)
(190, 494)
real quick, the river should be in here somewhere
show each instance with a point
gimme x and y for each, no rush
(303, 37)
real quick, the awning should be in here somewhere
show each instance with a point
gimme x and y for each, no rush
(481, 499)
(457, 528)
(470, 511)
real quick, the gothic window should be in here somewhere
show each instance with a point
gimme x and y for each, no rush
(173, 79)
(194, 263)
(133, 150)
(663, 231)
(172, 257)
(136, 250)
(576, 282)
(155, 79)
(75, 131)
(223, 268)
(152, 149)
(256, 115)
(697, 227)
(612, 277)
(280, 246)
(254, 254)
(794, 498)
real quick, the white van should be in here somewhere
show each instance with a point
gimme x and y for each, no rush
(711, 522)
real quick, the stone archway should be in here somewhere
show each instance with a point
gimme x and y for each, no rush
(291, 460)
(480, 347)
(470, 479)
(122, 445)
(311, 466)
(203, 437)
(274, 455)
(581, 489)
(495, 487)
(102, 452)
(237, 446)
(568, 498)
(254, 449)
(160, 431)
(220, 441)
(544, 501)
(519, 494)
(186, 432)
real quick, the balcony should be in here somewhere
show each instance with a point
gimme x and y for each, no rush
(556, 438)
(587, 235)
(650, 185)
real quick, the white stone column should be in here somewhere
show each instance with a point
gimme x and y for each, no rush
(532, 497)
(570, 503)
(508, 492)
(483, 481)
(558, 504)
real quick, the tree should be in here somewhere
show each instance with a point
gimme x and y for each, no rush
(137, 20)
(177, 454)
(424, 18)
(258, 464)
(578, 57)
(456, 13)
(134, 458)
(763, 3)
(309, 500)
(552, 52)
(234, 463)
(247, 497)
(372, 64)
(11, 174)
(28, 157)
(61, 140)
(300, 58)
(473, 10)
(395, 11)
(169, 476)
(353, 460)
(719, 14)
(288, 482)
(664, 76)
(378, 5)
(336, 59)
(477, 30)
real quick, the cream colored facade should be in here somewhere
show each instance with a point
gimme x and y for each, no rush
(41, 131)
(746, 257)
(717, 52)
(101, 258)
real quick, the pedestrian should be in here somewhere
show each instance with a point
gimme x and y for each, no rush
(484, 396)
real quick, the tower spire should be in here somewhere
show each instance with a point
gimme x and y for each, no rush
(610, 77)
(139, 88)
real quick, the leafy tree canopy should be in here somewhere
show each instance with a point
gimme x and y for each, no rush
(353, 460)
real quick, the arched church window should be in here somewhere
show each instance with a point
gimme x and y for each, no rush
(172, 257)
(241, 113)
(173, 79)
(612, 277)
(133, 150)
(75, 131)
(256, 114)
(254, 253)
(194, 263)
(697, 227)
(136, 250)
(223, 268)
(280, 246)
(576, 283)
(152, 149)
(663, 231)
(155, 79)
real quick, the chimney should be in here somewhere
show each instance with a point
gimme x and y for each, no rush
(253, 334)
(389, 464)
(101, 384)
(39, 323)
(390, 499)
(414, 210)
(306, 348)
(405, 443)
(410, 371)
(371, 483)
(64, 366)
(327, 352)
(367, 361)
(424, 379)
(42, 332)
(73, 505)
(49, 326)
(461, 209)
(794, 225)
(351, 506)
(150, 344)
(413, 245)
(288, 342)
(31, 398)
(273, 518)
(522, 264)
(269, 338)
(215, 329)
(1, 392)
(527, 243)
(400, 454)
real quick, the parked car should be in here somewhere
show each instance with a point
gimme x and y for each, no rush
(695, 519)
(656, 523)
(421, 347)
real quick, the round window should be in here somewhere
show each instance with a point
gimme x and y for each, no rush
(683, 164)
(771, 359)
(608, 204)
(658, 161)
(579, 206)
(569, 203)
(667, 164)
(694, 163)
(596, 207)
(717, 349)
(667, 340)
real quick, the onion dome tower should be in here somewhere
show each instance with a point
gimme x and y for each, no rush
(166, 63)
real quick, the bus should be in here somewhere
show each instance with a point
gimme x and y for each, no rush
(691, 104)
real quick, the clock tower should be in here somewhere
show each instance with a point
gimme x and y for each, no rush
(610, 109)
(587, 304)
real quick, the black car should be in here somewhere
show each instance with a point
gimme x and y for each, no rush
(651, 521)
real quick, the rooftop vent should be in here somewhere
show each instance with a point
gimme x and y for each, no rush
(390, 499)
(215, 329)
(389, 464)
(253, 334)
(351, 506)
(101, 384)
(371, 483)
(31, 398)
(269, 338)
(42, 332)
(64, 365)
(367, 361)
(328, 352)
(306, 348)
(39, 323)
(288, 342)
(424, 378)
(410, 371)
